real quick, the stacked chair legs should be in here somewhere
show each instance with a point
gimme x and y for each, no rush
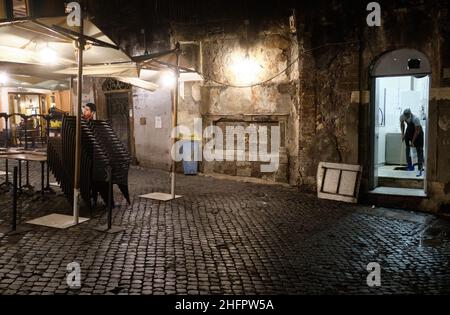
(101, 153)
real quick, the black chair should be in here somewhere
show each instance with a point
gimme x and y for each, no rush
(101, 151)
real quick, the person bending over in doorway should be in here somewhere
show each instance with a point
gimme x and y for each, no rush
(413, 138)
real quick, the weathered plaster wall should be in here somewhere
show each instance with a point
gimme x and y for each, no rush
(152, 144)
(274, 101)
(88, 93)
(329, 72)
(151, 147)
(439, 161)
(189, 104)
(325, 97)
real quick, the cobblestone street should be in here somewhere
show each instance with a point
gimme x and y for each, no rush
(224, 237)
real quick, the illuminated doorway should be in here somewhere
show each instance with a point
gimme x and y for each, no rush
(400, 82)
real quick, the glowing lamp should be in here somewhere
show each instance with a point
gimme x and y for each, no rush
(245, 69)
(48, 56)
(168, 79)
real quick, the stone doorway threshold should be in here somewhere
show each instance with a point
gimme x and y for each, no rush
(407, 192)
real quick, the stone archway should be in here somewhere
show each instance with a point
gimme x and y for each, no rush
(115, 86)
(401, 62)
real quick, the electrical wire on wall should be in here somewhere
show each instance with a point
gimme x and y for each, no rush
(278, 74)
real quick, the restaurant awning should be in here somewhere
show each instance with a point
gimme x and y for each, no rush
(33, 82)
(22, 44)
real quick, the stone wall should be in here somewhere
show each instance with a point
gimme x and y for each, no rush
(223, 98)
(153, 141)
(324, 97)
(338, 50)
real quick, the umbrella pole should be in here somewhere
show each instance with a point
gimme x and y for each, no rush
(175, 117)
(76, 187)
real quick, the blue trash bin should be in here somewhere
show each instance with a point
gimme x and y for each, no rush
(190, 167)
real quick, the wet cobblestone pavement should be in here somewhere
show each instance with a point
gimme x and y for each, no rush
(224, 237)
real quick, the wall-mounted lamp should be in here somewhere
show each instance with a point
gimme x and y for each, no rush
(246, 70)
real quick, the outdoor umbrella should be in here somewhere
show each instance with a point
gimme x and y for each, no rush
(45, 46)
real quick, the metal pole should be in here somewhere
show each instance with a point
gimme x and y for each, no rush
(20, 174)
(26, 132)
(7, 173)
(175, 115)
(6, 133)
(72, 112)
(14, 200)
(48, 119)
(76, 192)
(7, 149)
(27, 174)
(110, 196)
(47, 187)
(42, 179)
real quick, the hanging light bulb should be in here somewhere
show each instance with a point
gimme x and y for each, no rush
(48, 55)
(168, 79)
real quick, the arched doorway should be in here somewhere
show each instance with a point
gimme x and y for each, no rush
(400, 81)
(119, 110)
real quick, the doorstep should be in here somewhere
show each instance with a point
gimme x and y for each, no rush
(392, 191)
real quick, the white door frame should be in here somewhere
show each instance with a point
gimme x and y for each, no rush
(397, 63)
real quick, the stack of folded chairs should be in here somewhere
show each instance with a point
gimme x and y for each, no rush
(102, 153)
(118, 156)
